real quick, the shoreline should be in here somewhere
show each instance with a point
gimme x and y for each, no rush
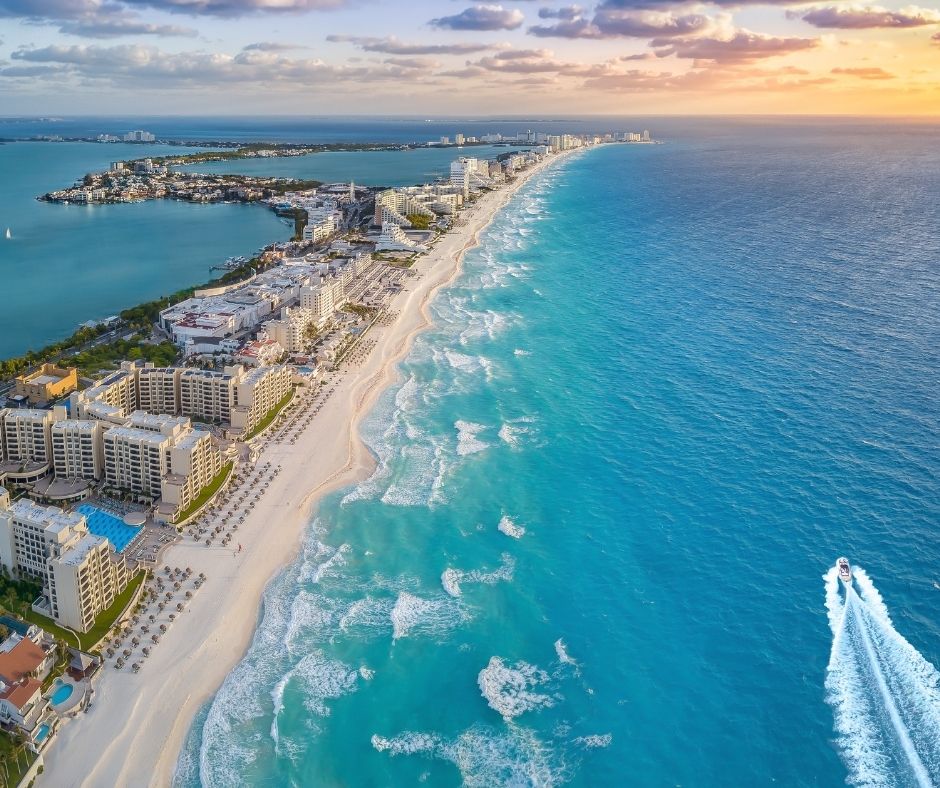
(128, 738)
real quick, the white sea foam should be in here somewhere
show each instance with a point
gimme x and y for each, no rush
(595, 740)
(367, 673)
(520, 352)
(467, 440)
(452, 579)
(368, 613)
(510, 528)
(323, 679)
(562, 652)
(511, 689)
(415, 615)
(884, 694)
(485, 757)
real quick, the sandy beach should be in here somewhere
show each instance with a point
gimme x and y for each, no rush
(136, 727)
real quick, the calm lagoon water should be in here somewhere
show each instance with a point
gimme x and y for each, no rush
(369, 168)
(66, 264)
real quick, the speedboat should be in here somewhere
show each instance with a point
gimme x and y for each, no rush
(845, 571)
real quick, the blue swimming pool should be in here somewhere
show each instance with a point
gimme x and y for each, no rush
(41, 733)
(62, 693)
(102, 523)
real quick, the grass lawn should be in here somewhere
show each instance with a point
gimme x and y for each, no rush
(271, 415)
(103, 623)
(207, 492)
(14, 761)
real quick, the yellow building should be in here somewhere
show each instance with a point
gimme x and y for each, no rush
(46, 384)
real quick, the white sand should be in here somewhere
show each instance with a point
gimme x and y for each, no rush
(136, 727)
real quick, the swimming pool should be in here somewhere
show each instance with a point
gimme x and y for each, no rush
(41, 733)
(102, 523)
(62, 693)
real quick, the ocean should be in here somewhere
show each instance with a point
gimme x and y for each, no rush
(670, 387)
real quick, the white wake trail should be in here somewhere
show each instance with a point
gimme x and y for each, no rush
(883, 692)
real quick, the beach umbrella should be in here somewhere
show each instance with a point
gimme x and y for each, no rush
(155, 638)
(163, 627)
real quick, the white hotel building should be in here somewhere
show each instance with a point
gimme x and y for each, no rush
(77, 449)
(80, 574)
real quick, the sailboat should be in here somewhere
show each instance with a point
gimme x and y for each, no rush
(9, 234)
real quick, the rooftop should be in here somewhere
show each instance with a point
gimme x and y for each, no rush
(19, 657)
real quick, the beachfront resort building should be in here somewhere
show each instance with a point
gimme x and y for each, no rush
(25, 660)
(137, 456)
(323, 299)
(77, 449)
(460, 171)
(258, 392)
(112, 399)
(292, 332)
(394, 239)
(80, 574)
(193, 463)
(26, 444)
(45, 384)
(158, 389)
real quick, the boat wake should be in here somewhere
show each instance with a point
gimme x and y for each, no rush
(884, 694)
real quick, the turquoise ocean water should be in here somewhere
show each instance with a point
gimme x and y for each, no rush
(672, 385)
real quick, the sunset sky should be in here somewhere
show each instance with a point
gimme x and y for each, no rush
(451, 57)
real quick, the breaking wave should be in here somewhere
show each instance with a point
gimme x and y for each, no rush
(511, 689)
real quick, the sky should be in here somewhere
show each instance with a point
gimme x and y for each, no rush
(452, 57)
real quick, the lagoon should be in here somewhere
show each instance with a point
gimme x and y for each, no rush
(369, 168)
(66, 264)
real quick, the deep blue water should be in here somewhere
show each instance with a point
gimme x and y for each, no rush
(694, 374)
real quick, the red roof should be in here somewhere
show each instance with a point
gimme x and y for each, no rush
(20, 661)
(21, 694)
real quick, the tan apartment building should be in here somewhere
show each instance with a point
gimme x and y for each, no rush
(112, 399)
(208, 395)
(258, 392)
(80, 574)
(159, 389)
(290, 332)
(323, 299)
(194, 463)
(26, 443)
(46, 384)
(77, 449)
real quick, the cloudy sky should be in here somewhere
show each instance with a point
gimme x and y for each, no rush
(454, 57)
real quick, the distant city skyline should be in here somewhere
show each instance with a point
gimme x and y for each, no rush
(448, 57)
